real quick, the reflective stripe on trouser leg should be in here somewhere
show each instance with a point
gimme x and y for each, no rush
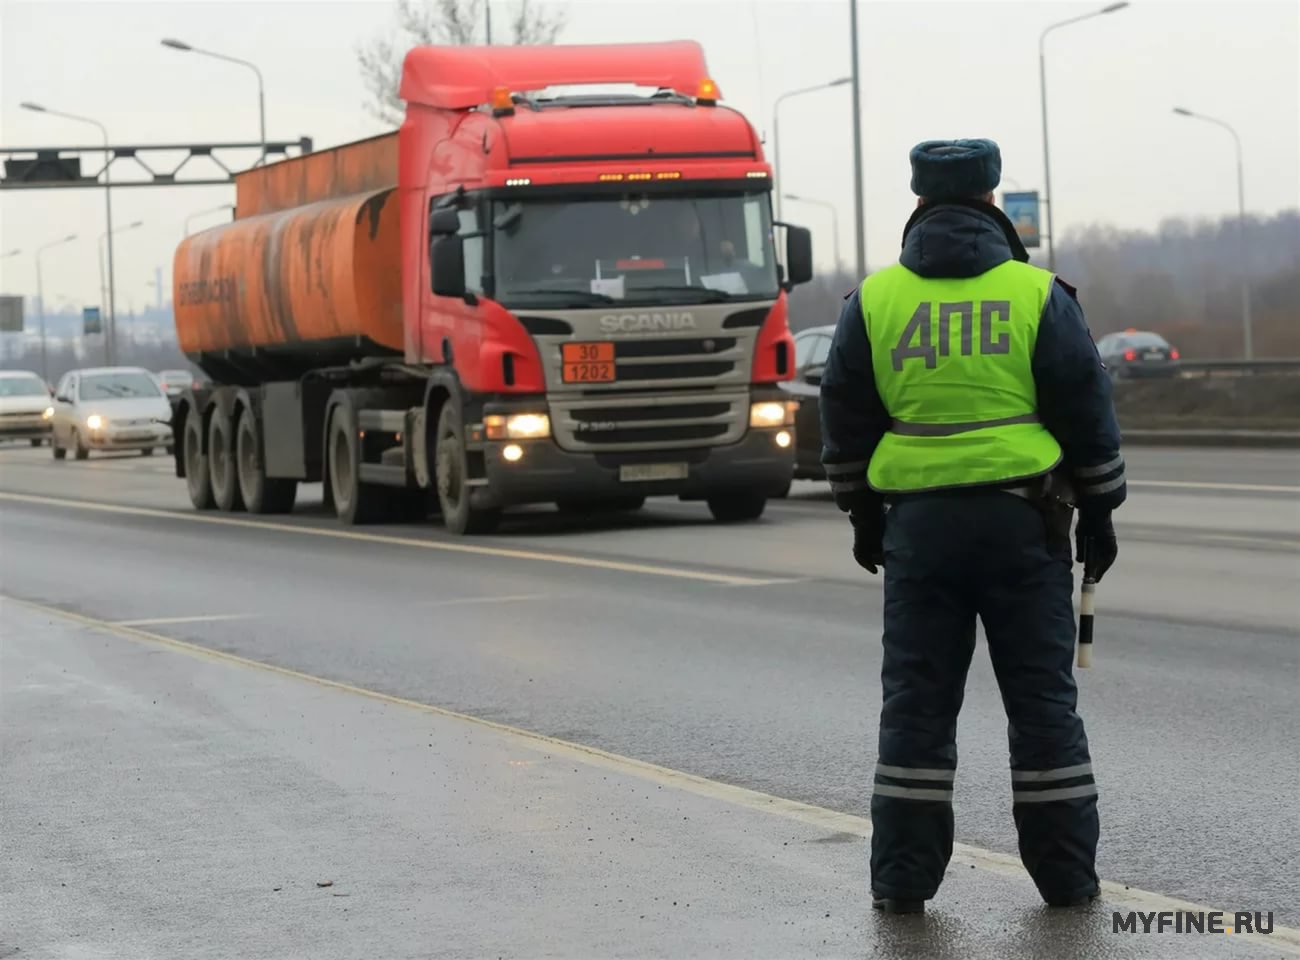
(1048, 786)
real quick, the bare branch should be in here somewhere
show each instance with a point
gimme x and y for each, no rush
(441, 23)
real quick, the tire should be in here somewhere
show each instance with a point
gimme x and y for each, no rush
(37, 441)
(736, 507)
(198, 481)
(354, 502)
(147, 452)
(171, 449)
(221, 462)
(451, 470)
(261, 494)
(78, 449)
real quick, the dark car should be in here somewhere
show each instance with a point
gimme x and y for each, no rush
(811, 348)
(1138, 353)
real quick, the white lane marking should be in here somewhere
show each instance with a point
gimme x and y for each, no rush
(1286, 939)
(200, 618)
(1202, 485)
(1264, 541)
(620, 566)
(774, 581)
(460, 601)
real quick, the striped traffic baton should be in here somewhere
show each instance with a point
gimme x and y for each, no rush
(1086, 591)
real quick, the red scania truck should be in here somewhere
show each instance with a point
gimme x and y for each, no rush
(535, 290)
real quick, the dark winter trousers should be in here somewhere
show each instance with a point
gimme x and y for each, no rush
(949, 559)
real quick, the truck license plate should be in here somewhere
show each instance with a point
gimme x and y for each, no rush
(642, 472)
(587, 362)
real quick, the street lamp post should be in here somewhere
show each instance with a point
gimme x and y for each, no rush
(110, 332)
(1246, 332)
(204, 213)
(1050, 199)
(835, 223)
(184, 47)
(111, 319)
(40, 295)
(859, 216)
(776, 127)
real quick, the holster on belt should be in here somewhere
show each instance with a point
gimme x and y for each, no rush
(1054, 495)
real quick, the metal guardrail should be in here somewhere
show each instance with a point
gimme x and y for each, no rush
(1210, 368)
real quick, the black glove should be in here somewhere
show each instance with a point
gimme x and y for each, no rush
(1099, 532)
(868, 538)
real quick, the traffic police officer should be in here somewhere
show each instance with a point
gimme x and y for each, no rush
(963, 392)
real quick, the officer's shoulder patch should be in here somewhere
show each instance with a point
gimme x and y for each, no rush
(1068, 288)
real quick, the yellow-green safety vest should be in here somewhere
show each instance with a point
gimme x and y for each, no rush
(952, 363)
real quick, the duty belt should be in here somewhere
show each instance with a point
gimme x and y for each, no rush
(906, 429)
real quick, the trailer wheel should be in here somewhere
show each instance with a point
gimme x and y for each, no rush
(736, 507)
(452, 473)
(354, 502)
(197, 479)
(221, 462)
(262, 494)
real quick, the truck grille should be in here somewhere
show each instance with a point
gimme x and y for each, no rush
(631, 422)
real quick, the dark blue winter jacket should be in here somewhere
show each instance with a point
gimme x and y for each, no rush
(1074, 392)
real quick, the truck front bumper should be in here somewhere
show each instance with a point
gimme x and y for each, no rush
(756, 464)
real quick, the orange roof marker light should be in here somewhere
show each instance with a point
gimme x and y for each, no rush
(707, 95)
(503, 104)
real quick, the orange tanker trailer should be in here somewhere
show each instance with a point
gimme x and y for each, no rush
(517, 297)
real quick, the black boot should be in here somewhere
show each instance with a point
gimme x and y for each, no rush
(895, 905)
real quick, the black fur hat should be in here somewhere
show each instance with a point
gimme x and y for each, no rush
(955, 169)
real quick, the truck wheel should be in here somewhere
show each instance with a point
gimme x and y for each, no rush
(736, 507)
(452, 473)
(354, 502)
(197, 479)
(262, 494)
(221, 462)
(78, 448)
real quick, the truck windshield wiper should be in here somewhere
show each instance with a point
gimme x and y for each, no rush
(582, 296)
(702, 294)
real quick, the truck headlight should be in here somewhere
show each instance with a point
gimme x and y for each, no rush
(771, 413)
(517, 426)
(94, 421)
(47, 413)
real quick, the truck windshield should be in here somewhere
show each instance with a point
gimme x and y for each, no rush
(634, 249)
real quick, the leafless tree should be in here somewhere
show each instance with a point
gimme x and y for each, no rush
(445, 23)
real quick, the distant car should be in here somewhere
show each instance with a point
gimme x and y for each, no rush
(1138, 353)
(110, 408)
(24, 406)
(176, 382)
(812, 347)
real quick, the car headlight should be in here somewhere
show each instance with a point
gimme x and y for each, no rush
(771, 413)
(517, 426)
(47, 413)
(94, 421)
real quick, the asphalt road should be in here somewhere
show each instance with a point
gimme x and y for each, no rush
(747, 655)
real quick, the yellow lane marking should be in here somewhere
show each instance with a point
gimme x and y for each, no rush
(200, 618)
(680, 573)
(1116, 894)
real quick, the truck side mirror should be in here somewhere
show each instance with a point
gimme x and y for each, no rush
(798, 256)
(447, 266)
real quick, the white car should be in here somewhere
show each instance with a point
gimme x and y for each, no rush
(175, 382)
(24, 406)
(110, 408)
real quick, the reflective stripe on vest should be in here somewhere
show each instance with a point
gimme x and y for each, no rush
(952, 360)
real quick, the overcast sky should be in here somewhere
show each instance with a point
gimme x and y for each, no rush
(929, 70)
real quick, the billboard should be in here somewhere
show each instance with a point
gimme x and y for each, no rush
(90, 322)
(11, 314)
(1022, 210)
